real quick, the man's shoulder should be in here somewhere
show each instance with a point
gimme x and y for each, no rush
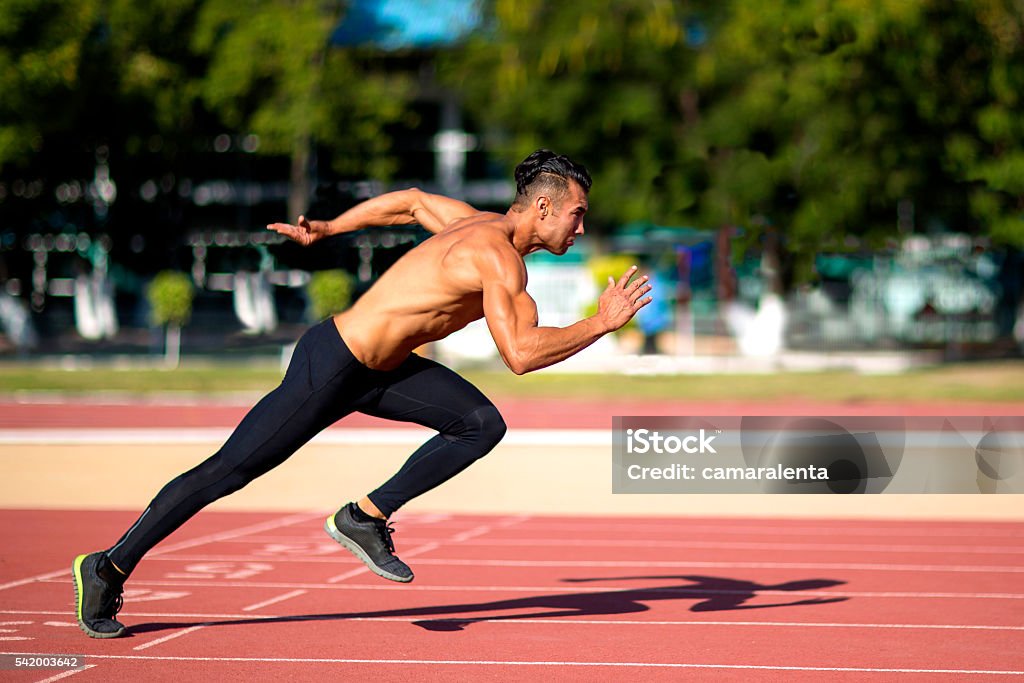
(487, 231)
(488, 245)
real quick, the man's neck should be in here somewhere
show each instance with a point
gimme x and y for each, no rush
(523, 237)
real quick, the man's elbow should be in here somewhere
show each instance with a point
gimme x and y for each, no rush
(517, 363)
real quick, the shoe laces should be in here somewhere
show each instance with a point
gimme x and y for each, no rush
(118, 604)
(385, 530)
(113, 601)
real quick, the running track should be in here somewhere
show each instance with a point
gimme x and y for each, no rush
(236, 596)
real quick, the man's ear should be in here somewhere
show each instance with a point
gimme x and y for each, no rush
(543, 206)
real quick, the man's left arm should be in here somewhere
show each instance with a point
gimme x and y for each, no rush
(402, 207)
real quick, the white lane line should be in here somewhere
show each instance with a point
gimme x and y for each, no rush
(855, 566)
(348, 575)
(471, 534)
(470, 662)
(65, 674)
(176, 634)
(339, 436)
(553, 621)
(711, 545)
(274, 601)
(362, 569)
(38, 577)
(993, 529)
(568, 590)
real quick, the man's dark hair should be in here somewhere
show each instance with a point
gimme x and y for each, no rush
(546, 171)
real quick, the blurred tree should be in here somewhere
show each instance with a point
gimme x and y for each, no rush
(273, 72)
(92, 70)
(608, 82)
(41, 54)
(329, 292)
(834, 119)
(170, 296)
(96, 100)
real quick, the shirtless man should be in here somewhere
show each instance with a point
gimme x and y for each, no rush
(362, 360)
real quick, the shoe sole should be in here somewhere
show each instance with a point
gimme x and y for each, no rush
(77, 582)
(334, 532)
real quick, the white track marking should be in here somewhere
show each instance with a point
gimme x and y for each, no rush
(555, 621)
(926, 529)
(242, 531)
(659, 564)
(710, 545)
(511, 663)
(65, 674)
(362, 568)
(457, 538)
(335, 437)
(274, 601)
(38, 577)
(569, 590)
(176, 634)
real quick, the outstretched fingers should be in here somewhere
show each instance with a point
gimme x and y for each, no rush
(635, 289)
(624, 280)
(637, 296)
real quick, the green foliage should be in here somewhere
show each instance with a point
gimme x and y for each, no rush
(64, 67)
(603, 267)
(609, 265)
(330, 292)
(813, 118)
(606, 82)
(272, 72)
(42, 45)
(170, 297)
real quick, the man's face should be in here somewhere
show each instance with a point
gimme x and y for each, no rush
(564, 220)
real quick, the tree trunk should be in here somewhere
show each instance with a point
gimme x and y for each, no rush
(299, 182)
(172, 347)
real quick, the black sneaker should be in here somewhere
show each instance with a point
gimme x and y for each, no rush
(370, 542)
(96, 601)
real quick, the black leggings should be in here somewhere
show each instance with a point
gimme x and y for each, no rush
(324, 383)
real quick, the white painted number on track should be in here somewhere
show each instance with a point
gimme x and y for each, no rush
(235, 571)
(146, 595)
(7, 633)
(300, 548)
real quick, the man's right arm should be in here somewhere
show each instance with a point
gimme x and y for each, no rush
(511, 315)
(403, 207)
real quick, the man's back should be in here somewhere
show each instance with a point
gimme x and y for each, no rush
(432, 291)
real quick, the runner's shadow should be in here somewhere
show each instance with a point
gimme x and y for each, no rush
(713, 594)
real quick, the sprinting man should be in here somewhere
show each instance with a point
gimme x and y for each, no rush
(362, 360)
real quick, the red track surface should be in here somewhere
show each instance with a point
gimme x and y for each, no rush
(235, 596)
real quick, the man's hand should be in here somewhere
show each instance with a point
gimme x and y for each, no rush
(305, 233)
(622, 299)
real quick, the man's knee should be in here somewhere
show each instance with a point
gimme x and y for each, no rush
(486, 425)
